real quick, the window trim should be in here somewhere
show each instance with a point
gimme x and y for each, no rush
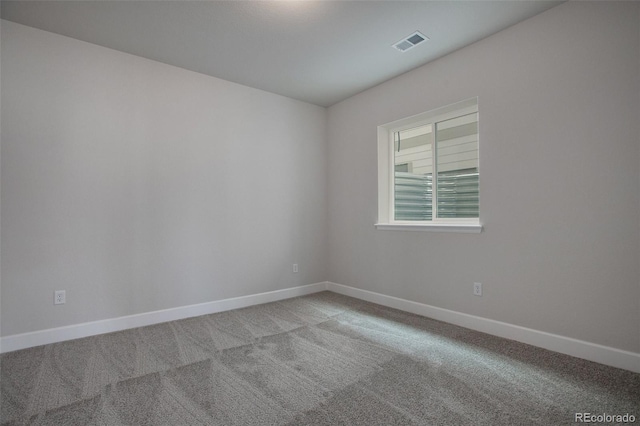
(386, 132)
(472, 228)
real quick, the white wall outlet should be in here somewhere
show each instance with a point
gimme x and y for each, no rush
(59, 297)
(295, 268)
(477, 289)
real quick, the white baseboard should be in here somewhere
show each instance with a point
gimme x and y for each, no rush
(76, 331)
(566, 345)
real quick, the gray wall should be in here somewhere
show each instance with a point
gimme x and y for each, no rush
(0, 182)
(559, 97)
(138, 186)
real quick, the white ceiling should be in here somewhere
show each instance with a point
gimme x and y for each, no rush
(317, 51)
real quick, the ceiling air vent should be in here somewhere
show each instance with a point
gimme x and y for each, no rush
(410, 41)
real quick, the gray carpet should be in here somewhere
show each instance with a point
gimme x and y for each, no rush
(323, 359)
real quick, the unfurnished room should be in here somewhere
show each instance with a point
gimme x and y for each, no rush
(319, 212)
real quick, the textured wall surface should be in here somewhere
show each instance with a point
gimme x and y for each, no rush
(137, 186)
(559, 96)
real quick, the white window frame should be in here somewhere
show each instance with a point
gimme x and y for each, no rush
(386, 167)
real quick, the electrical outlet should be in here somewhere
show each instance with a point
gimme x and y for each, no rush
(59, 297)
(477, 289)
(295, 268)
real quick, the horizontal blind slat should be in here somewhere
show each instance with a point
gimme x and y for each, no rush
(412, 196)
(458, 195)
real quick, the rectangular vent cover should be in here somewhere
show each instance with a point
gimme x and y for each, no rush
(410, 41)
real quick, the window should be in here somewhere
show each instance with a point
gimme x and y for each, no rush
(428, 171)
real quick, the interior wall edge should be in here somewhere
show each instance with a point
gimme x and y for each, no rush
(566, 345)
(76, 331)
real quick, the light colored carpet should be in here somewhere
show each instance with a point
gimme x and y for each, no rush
(323, 359)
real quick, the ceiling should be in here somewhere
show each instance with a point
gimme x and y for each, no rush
(316, 51)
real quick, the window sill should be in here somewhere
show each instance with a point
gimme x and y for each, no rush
(474, 228)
